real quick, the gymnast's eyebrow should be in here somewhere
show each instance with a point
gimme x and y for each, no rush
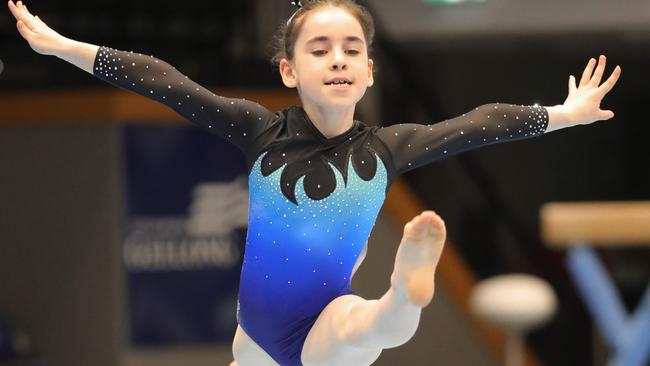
(326, 39)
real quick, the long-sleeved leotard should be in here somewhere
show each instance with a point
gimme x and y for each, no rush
(313, 200)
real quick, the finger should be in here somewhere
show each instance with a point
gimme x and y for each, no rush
(586, 75)
(27, 11)
(572, 84)
(14, 10)
(611, 81)
(598, 74)
(26, 17)
(23, 8)
(24, 30)
(20, 10)
(606, 115)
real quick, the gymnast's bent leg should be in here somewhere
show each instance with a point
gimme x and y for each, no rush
(248, 353)
(354, 331)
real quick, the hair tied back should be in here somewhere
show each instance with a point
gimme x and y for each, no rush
(298, 4)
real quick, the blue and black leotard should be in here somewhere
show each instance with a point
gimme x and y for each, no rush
(313, 200)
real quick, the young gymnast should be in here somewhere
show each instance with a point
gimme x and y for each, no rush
(317, 179)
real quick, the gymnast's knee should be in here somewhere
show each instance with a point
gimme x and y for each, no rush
(362, 332)
(379, 339)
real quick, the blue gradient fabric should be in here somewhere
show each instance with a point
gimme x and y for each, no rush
(300, 257)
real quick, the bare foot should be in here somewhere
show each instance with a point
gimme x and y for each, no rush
(417, 257)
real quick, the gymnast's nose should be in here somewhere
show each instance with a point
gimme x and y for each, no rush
(338, 61)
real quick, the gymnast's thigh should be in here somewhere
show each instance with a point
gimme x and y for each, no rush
(325, 345)
(248, 353)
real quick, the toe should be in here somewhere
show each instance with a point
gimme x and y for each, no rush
(426, 224)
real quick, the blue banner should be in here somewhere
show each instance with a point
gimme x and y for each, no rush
(184, 235)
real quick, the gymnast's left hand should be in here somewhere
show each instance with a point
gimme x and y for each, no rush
(582, 106)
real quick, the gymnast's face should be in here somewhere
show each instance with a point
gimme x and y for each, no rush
(330, 67)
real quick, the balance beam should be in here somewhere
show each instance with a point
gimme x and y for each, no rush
(597, 223)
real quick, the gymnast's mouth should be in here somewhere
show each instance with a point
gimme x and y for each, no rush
(339, 81)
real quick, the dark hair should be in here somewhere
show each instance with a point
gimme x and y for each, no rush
(286, 36)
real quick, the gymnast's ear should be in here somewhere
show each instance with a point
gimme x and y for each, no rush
(288, 73)
(371, 78)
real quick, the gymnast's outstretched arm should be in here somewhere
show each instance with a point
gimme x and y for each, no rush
(413, 145)
(236, 120)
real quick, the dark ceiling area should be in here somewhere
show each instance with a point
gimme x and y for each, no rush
(210, 41)
(228, 43)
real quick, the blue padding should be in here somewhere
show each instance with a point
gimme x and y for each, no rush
(636, 350)
(627, 336)
(599, 293)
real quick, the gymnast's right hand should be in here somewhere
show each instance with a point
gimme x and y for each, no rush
(41, 38)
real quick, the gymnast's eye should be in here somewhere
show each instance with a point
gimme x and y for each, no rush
(353, 52)
(319, 53)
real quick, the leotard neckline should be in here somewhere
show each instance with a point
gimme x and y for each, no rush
(331, 140)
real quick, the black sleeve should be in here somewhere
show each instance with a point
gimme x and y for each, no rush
(412, 145)
(237, 120)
